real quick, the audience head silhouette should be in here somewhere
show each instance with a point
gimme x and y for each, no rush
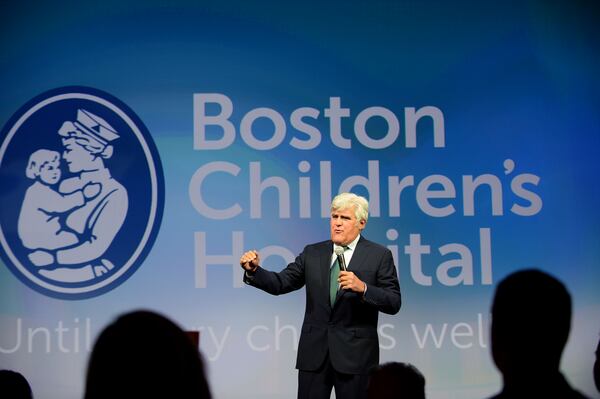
(14, 385)
(144, 354)
(396, 380)
(531, 319)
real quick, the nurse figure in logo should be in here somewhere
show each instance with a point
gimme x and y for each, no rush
(86, 143)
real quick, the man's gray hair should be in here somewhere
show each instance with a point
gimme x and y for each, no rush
(348, 200)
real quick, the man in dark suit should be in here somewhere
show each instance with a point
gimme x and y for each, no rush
(339, 343)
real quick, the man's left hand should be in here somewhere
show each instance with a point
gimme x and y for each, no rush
(349, 281)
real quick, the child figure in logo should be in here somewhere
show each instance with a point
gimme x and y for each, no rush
(39, 226)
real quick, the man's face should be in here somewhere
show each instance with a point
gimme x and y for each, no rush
(344, 226)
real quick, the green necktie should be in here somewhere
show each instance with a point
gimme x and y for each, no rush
(334, 273)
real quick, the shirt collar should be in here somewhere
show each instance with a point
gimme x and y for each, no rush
(350, 246)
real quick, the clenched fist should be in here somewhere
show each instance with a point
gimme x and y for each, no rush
(250, 261)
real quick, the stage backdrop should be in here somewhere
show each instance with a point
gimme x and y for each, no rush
(218, 127)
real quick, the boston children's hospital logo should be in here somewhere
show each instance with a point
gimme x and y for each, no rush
(82, 193)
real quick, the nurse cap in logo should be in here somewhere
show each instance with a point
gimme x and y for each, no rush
(95, 126)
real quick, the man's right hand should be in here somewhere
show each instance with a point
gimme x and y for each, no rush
(250, 261)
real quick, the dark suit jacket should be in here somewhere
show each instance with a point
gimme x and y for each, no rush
(348, 331)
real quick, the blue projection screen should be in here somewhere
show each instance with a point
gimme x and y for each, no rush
(219, 127)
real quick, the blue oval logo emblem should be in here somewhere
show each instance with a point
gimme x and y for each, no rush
(82, 193)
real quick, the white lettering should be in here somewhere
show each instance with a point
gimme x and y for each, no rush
(424, 194)
(248, 135)
(257, 187)
(371, 184)
(411, 118)
(535, 201)
(215, 131)
(386, 337)
(415, 250)
(196, 194)
(218, 343)
(18, 339)
(297, 121)
(335, 114)
(464, 263)
(390, 136)
(250, 339)
(462, 334)
(469, 187)
(429, 331)
(64, 337)
(202, 121)
(203, 259)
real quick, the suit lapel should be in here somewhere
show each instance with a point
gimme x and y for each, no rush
(359, 256)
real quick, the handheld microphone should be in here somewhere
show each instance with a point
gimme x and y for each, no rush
(339, 251)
